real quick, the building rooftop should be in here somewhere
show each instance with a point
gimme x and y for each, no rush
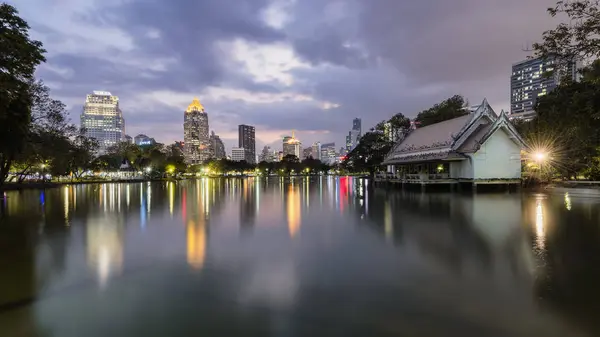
(195, 106)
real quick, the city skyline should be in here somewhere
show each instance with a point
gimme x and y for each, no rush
(262, 65)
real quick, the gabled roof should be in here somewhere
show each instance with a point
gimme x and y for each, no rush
(456, 136)
(434, 136)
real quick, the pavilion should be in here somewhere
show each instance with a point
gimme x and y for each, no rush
(480, 147)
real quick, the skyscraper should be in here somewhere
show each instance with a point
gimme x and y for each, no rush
(247, 141)
(103, 120)
(267, 154)
(529, 81)
(328, 153)
(291, 145)
(217, 148)
(307, 153)
(354, 135)
(316, 150)
(195, 134)
(357, 125)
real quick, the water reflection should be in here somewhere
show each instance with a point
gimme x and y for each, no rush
(104, 242)
(370, 261)
(196, 243)
(539, 223)
(293, 209)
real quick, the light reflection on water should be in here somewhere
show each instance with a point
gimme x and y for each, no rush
(292, 252)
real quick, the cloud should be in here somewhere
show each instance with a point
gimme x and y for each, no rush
(309, 65)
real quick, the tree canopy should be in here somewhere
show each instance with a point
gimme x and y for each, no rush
(19, 57)
(448, 109)
(575, 39)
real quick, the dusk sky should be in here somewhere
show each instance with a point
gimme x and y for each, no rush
(308, 65)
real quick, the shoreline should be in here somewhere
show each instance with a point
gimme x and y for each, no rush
(55, 184)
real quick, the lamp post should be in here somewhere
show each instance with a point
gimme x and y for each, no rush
(43, 172)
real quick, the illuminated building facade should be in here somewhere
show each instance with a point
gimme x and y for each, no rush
(103, 120)
(292, 146)
(143, 140)
(316, 150)
(195, 133)
(530, 80)
(238, 154)
(268, 155)
(328, 154)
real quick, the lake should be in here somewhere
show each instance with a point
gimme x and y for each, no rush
(321, 256)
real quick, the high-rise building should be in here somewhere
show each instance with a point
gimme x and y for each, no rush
(328, 154)
(217, 148)
(195, 134)
(316, 150)
(292, 146)
(357, 125)
(143, 140)
(530, 79)
(103, 120)
(354, 135)
(247, 140)
(238, 154)
(307, 153)
(267, 154)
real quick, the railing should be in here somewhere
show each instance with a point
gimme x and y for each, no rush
(413, 177)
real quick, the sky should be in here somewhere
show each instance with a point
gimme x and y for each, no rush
(281, 65)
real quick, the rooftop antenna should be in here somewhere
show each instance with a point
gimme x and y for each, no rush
(527, 48)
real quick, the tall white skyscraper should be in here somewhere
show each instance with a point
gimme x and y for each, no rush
(103, 120)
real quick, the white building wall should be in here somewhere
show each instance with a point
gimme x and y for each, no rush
(238, 154)
(461, 169)
(498, 158)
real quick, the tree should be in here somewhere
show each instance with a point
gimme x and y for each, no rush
(448, 109)
(370, 152)
(47, 142)
(19, 57)
(567, 125)
(575, 40)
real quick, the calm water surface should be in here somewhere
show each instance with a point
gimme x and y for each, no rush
(300, 257)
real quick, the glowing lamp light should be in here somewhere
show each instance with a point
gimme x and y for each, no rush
(540, 156)
(148, 169)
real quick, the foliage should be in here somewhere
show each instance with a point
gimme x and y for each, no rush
(157, 157)
(19, 57)
(577, 39)
(51, 141)
(448, 109)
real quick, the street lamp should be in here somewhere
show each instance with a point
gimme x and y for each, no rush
(43, 172)
(540, 156)
(148, 169)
